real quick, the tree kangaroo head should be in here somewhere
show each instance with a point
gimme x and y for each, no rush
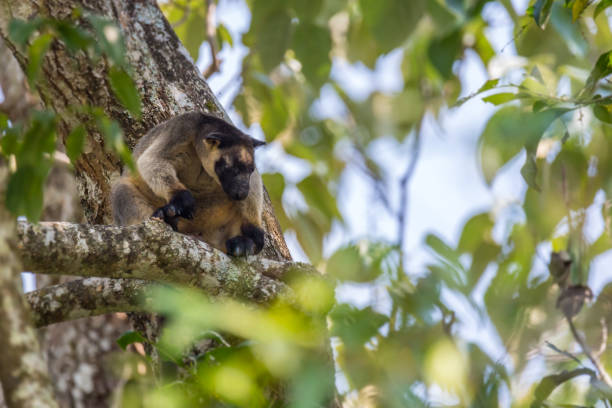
(227, 156)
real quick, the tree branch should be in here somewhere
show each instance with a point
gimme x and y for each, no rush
(86, 298)
(150, 251)
(211, 34)
(587, 351)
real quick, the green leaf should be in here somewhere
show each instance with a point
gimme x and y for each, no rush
(602, 68)
(602, 112)
(312, 45)
(444, 51)
(444, 252)
(75, 142)
(347, 264)
(355, 326)
(271, 30)
(36, 52)
(224, 35)
(125, 89)
(550, 382)
(113, 137)
(306, 10)
(490, 84)
(541, 12)
(275, 184)
(74, 37)
(570, 32)
(130, 337)
(317, 195)
(24, 192)
(578, 7)
(110, 40)
(500, 98)
(310, 236)
(391, 21)
(192, 32)
(529, 171)
(476, 230)
(20, 31)
(502, 139)
(9, 142)
(603, 4)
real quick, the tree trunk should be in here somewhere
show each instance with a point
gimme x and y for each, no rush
(23, 373)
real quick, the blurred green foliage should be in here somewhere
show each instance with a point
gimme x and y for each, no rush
(406, 347)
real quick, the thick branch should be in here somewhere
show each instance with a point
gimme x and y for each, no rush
(150, 251)
(86, 298)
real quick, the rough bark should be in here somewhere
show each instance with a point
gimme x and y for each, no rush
(86, 298)
(23, 372)
(17, 98)
(150, 251)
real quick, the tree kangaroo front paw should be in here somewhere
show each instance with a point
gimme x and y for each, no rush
(166, 214)
(256, 234)
(240, 246)
(183, 204)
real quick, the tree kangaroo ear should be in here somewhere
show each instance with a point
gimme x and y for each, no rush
(257, 143)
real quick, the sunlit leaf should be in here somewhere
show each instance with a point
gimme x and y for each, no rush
(602, 68)
(224, 35)
(578, 7)
(36, 53)
(601, 6)
(541, 12)
(500, 98)
(602, 112)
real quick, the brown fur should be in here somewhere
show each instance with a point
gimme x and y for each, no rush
(180, 155)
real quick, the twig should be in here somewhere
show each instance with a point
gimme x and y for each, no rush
(604, 337)
(563, 352)
(184, 17)
(586, 350)
(211, 34)
(404, 187)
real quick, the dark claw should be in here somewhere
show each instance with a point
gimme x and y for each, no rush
(255, 234)
(183, 204)
(240, 246)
